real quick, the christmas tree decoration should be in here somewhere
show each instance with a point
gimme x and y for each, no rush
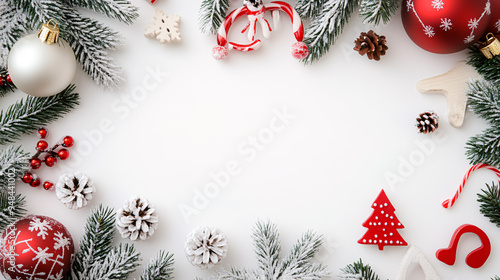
(13, 164)
(206, 247)
(12, 208)
(29, 114)
(450, 202)
(255, 11)
(427, 122)
(36, 247)
(89, 39)
(490, 203)
(382, 225)
(445, 26)
(165, 28)
(137, 219)
(295, 266)
(75, 190)
(474, 259)
(452, 85)
(42, 65)
(494, 26)
(358, 271)
(371, 44)
(491, 47)
(415, 256)
(98, 259)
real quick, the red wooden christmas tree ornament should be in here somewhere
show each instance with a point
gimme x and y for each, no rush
(383, 225)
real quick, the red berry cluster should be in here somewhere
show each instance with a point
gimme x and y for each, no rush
(49, 158)
(4, 79)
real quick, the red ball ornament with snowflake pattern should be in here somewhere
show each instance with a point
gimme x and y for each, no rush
(494, 26)
(36, 247)
(446, 26)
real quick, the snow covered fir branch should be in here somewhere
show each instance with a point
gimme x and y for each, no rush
(328, 19)
(89, 39)
(296, 265)
(358, 271)
(13, 164)
(490, 203)
(98, 259)
(5, 87)
(489, 68)
(12, 208)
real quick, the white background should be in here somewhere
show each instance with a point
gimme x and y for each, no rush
(353, 124)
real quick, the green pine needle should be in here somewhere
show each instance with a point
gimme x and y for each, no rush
(485, 147)
(119, 263)
(309, 8)
(495, 278)
(121, 10)
(11, 209)
(6, 87)
(376, 11)
(29, 114)
(358, 271)
(489, 68)
(212, 14)
(490, 203)
(13, 164)
(160, 267)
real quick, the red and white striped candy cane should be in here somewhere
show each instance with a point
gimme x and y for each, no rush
(449, 202)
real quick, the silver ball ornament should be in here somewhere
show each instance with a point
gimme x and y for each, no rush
(40, 69)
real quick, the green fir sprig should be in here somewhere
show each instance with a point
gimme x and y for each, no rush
(28, 114)
(13, 164)
(358, 271)
(377, 11)
(212, 14)
(160, 267)
(12, 208)
(309, 8)
(489, 68)
(490, 203)
(6, 87)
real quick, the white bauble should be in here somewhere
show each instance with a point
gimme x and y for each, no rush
(40, 69)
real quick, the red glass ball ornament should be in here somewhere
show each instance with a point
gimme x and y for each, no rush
(445, 26)
(68, 141)
(42, 133)
(42, 145)
(63, 154)
(35, 182)
(50, 160)
(36, 247)
(35, 163)
(27, 178)
(494, 26)
(47, 185)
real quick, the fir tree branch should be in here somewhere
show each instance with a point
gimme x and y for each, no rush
(159, 268)
(484, 100)
(12, 161)
(11, 210)
(267, 248)
(236, 274)
(121, 10)
(13, 25)
(29, 114)
(309, 8)
(495, 278)
(6, 87)
(212, 14)
(358, 271)
(490, 203)
(327, 26)
(375, 11)
(119, 263)
(489, 68)
(96, 243)
(485, 147)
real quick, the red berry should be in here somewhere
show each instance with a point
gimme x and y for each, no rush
(68, 141)
(50, 160)
(42, 145)
(35, 183)
(35, 163)
(9, 80)
(27, 177)
(48, 185)
(1, 81)
(42, 133)
(63, 154)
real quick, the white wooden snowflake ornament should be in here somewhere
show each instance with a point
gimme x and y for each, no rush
(165, 28)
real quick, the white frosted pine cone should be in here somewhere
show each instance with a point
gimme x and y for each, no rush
(75, 190)
(206, 246)
(137, 219)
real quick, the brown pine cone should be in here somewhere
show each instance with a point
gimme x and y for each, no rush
(427, 122)
(371, 44)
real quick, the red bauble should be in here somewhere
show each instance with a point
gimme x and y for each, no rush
(50, 160)
(63, 154)
(42, 145)
(36, 247)
(35, 163)
(494, 26)
(42, 133)
(68, 141)
(445, 26)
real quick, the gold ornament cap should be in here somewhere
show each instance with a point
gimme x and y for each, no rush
(49, 33)
(491, 47)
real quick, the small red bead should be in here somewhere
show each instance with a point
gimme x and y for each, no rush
(35, 183)
(9, 80)
(42, 133)
(27, 177)
(63, 154)
(68, 141)
(1, 81)
(35, 163)
(50, 160)
(42, 145)
(48, 185)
